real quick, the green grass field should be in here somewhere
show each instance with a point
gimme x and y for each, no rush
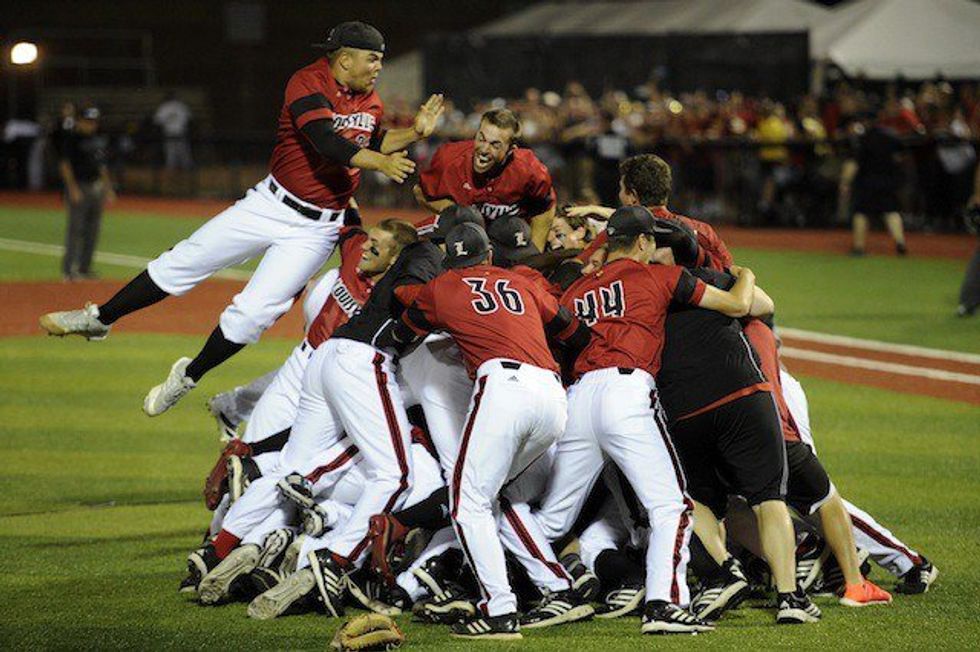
(100, 505)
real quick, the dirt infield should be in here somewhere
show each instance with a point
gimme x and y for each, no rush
(197, 312)
(957, 246)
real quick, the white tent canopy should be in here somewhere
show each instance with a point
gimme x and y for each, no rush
(659, 17)
(914, 38)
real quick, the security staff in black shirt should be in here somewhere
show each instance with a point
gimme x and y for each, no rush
(82, 164)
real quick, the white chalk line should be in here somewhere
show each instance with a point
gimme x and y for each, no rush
(877, 365)
(876, 345)
(123, 260)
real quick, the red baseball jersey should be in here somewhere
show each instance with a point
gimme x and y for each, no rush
(521, 188)
(313, 94)
(491, 313)
(712, 252)
(349, 292)
(764, 342)
(625, 303)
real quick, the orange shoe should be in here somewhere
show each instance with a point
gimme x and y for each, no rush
(864, 594)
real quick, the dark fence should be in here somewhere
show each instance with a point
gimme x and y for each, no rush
(470, 66)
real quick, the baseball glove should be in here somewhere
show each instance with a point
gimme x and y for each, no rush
(369, 631)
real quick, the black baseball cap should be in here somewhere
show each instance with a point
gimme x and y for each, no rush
(353, 34)
(631, 221)
(466, 245)
(511, 238)
(681, 238)
(453, 216)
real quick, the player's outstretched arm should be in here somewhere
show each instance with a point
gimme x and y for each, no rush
(762, 303)
(735, 302)
(425, 123)
(599, 212)
(395, 166)
(434, 205)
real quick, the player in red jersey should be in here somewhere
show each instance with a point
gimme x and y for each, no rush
(614, 412)
(499, 320)
(492, 174)
(329, 130)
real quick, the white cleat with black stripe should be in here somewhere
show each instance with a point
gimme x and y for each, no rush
(492, 628)
(662, 617)
(796, 609)
(216, 586)
(725, 592)
(556, 609)
(331, 580)
(621, 602)
(281, 598)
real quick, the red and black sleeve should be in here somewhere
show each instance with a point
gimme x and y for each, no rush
(312, 114)
(687, 288)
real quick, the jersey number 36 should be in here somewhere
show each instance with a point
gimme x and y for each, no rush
(610, 303)
(489, 299)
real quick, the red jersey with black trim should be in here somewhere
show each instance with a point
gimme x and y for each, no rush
(625, 303)
(349, 291)
(764, 342)
(295, 163)
(712, 252)
(522, 187)
(491, 313)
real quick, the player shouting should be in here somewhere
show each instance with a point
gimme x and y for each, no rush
(492, 174)
(329, 130)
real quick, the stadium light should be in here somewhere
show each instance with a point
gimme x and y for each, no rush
(23, 54)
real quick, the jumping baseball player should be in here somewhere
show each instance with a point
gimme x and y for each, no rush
(329, 130)
(614, 412)
(492, 174)
(498, 320)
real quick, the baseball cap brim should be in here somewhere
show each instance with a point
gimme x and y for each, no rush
(464, 261)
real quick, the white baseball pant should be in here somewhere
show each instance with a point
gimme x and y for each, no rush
(885, 548)
(516, 413)
(612, 414)
(293, 248)
(608, 532)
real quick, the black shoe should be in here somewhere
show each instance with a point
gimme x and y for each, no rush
(661, 617)
(725, 592)
(558, 608)
(812, 555)
(199, 563)
(446, 608)
(624, 601)
(331, 579)
(795, 609)
(264, 579)
(495, 628)
(857, 253)
(375, 595)
(585, 583)
(918, 579)
(439, 572)
(965, 311)
(901, 249)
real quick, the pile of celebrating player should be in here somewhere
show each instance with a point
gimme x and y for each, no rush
(500, 418)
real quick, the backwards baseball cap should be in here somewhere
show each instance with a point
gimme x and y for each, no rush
(353, 34)
(631, 221)
(511, 238)
(681, 238)
(466, 245)
(452, 217)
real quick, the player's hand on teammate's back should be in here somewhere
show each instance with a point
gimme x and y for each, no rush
(428, 116)
(397, 166)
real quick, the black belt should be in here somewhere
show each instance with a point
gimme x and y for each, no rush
(305, 211)
(625, 371)
(510, 364)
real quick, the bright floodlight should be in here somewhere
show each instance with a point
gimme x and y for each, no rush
(23, 54)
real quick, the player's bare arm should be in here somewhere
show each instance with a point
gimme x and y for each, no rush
(425, 123)
(762, 304)
(735, 302)
(596, 212)
(540, 226)
(434, 205)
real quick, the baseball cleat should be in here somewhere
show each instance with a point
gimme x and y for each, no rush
(796, 608)
(440, 572)
(558, 608)
(493, 628)
(84, 322)
(811, 558)
(286, 596)
(585, 583)
(199, 563)
(385, 531)
(623, 601)
(242, 471)
(374, 595)
(216, 585)
(297, 489)
(330, 580)
(865, 594)
(830, 583)
(315, 521)
(918, 579)
(662, 617)
(165, 395)
(724, 593)
(222, 406)
(216, 484)
(446, 608)
(274, 548)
